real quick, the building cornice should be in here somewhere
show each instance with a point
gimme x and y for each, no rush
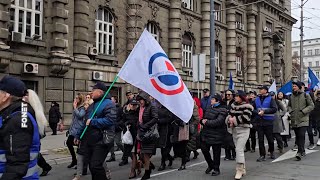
(160, 3)
(279, 10)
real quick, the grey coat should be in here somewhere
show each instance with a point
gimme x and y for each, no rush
(277, 123)
(77, 123)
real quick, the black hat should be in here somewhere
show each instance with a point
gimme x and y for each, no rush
(101, 86)
(272, 93)
(242, 95)
(13, 86)
(133, 102)
(298, 83)
(217, 97)
(302, 84)
(128, 92)
(264, 87)
(205, 90)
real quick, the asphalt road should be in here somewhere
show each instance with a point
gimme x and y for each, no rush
(284, 169)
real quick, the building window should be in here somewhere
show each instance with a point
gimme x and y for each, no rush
(317, 63)
(317, 74)
(26, 17)
(105, 32)
(239, 57)
(317, 51)
(281, 2)
(154, 30)
(239, 21)
(268, 27)
(217, 56)
(33, 85)
(295, 53)
(309, 52)
(310, 64)
(217, 14)
(188, 4)
(187, 51)
(304, 52)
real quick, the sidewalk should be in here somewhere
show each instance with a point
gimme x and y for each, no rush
(54, 149)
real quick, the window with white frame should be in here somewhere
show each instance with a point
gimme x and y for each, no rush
(239, 61)
(188, 4)
(317, 63)
(217, 13)
(187, 51)
(154, 30)
(310, 52)
(239, 21)
(317, 74)
(105, 32)
(316, 51)
(310, 64)
(217, 56)
(26, 17)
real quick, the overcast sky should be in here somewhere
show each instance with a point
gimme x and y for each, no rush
(311, 22)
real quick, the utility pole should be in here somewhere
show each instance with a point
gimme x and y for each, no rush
(212, 50)
(301, 41)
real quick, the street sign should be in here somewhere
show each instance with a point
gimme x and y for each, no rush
(199, 67)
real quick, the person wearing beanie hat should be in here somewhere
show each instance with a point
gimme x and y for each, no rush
(239, 125)
(212, 134)
(300, 106)
(19, 132)
(264, 114)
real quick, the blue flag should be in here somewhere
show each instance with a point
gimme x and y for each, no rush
(287, 88)
(231, 85)
(313, 81)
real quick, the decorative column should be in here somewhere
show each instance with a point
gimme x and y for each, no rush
(276, 64)
(4, 19)
(59, 60)
(135, 25)
(266, 58)
(231, 40)
(81, 28)
(205, 32)
(175, 41)
(252, 52)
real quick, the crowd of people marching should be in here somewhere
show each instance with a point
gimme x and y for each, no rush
(228, 120)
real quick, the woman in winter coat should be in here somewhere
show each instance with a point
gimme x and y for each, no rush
(316, 112)
(239, 124)
(193, 133)
(277, 123)
(285, 118)
(148, 118)
(229, 146)
(130, 118)
(165, 131)
(77, 123)
(54, 117)
(213, 134)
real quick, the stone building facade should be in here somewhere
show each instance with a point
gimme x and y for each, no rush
(61, 47)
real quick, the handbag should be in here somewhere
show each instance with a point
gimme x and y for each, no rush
(107, 136)
(151, 135)
(183, 133)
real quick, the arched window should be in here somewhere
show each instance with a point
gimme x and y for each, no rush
(187, 50)
(105, 32)
(154, 30)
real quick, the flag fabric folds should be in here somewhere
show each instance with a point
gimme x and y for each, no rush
(149, 68)
(313, 81)
(273, 87)
(287, 88)
(231, 84)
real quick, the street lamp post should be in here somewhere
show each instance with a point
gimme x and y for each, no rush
(212, 50)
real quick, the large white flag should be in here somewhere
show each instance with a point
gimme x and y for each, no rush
(273, 87)
(149, 68)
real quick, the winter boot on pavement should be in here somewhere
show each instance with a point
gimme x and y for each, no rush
(146, 175)
(240, 171)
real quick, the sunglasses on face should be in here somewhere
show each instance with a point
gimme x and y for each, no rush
(228, 94)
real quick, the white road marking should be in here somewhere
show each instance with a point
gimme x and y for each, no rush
(291, 154)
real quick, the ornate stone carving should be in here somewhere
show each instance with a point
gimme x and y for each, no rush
(217, 30)
(107, 3)
(239, 39)
(155, 8)
(189, 22)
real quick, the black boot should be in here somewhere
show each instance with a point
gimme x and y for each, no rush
(112, 158)
(146, 175)
(195, 154)
(152, 167)
(73, 163)
(170, 161)
(46, 171)
(182, 167)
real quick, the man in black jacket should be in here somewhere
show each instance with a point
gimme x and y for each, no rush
(264, 109)
(19, 135)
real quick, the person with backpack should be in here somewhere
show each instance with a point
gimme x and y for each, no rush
(19, 132)
(300, 106)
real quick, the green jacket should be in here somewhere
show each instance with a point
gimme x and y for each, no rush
(300, 106)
